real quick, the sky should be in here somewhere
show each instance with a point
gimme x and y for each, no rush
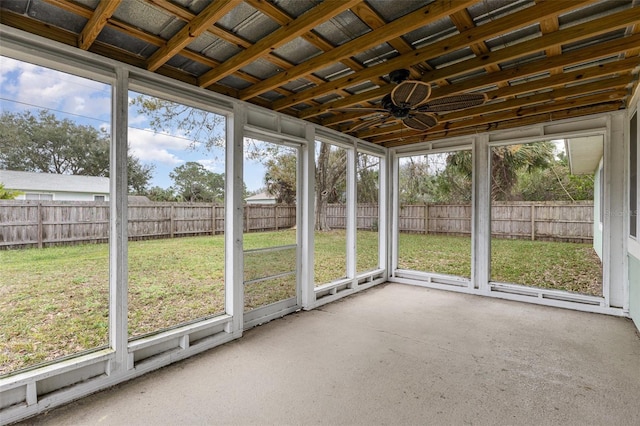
(25, 86)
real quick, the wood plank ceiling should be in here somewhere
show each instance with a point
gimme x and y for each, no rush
(536, 61)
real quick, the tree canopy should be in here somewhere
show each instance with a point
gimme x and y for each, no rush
(194, 183)
(521, 172)
(45, 144)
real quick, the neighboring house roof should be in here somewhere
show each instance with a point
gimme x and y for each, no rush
(50, 182)
(260, 197)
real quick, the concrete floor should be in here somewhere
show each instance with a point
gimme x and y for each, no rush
(395, 355)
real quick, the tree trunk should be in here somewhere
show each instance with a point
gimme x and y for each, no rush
(322, 192)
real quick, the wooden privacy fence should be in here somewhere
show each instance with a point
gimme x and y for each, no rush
(548, 221)
(48, 223)
(40, 224)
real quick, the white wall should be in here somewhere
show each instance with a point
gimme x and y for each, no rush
(65, 196)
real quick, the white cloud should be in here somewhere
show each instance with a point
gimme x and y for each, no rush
(45, 88)
(151, 146)
(215, 165)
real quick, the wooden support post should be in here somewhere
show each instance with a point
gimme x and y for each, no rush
(426, 219)
(533, 222)
(171, 221)
(40, 237)
(213, 219)
(275, 213)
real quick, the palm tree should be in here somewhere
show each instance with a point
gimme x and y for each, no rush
(506, 164)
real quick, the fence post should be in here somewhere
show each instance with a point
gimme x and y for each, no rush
(213, 219)
(40, 237)
(246, 217)
(533, 222)
(426, 219)
(171, 221)
(275, 213)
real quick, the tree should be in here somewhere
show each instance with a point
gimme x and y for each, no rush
(206, 130)
(45, 144)
(6, 194)
(368, 178)
(193, 182)
(508, 165)
(202, 127)
(330, 181)
(157, 193)
(555, 183)
(281, 177)
(507, 161)
(417, 181)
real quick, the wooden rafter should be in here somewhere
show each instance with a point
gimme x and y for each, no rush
(507, 124)
(282, 18)
(459, 41)
(416, 19)
(190, 32)
(507, 91)
(96, 23)
(281, 36)
(531, 78)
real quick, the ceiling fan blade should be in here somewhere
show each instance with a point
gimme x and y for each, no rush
(420, 121)
(354, 109)
(452, 103)
(410, 94)
(365, 124)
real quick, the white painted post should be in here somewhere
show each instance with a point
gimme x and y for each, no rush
(394, 211)
(384, 214)
(233, 226)
(118, 244)
(351, 219)
(481, 213)
(616, 206)
(305, 217)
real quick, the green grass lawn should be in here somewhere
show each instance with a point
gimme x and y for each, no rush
(54, 301)
(555, 265)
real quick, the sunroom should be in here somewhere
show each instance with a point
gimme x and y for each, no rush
(266, 158)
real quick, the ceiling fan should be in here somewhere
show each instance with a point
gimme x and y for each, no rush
(408, 102)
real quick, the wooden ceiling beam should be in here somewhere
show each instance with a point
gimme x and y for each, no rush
(492, 29)
(421, 17)
(221, 33)
(30, 25)
(507, 124)
(281, 36)
(623, 67)
(191, 31)
(568, 35)
(96, 23)
(155, 40)
(374, 21)
(463, 21)
(591, 53)
(282, 18)
(550, 96)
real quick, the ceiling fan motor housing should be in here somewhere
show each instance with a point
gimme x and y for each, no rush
(396, 111)
(398, 76)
